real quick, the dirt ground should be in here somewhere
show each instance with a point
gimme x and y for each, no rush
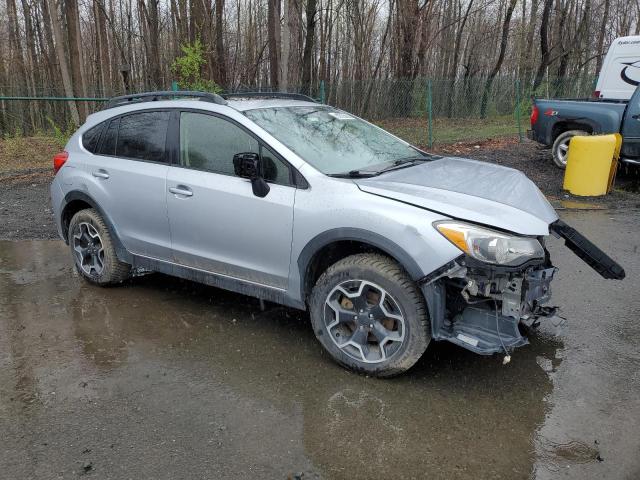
(25, 174)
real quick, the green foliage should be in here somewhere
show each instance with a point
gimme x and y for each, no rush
(63, 134)
(188, 69)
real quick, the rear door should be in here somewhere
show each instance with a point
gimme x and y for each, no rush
(127, 178)
(631, 128)
(217, 223)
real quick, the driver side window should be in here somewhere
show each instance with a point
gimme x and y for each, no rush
(209, 143)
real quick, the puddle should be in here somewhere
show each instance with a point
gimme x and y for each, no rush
(164, 378)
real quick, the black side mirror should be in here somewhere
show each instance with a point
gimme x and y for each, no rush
(247, 165)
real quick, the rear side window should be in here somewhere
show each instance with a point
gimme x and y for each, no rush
(91, 137)
(142, 136)
(108, 143)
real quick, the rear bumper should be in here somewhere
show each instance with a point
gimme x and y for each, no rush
(57, 204)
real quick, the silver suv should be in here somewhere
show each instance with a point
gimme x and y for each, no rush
(298, 203)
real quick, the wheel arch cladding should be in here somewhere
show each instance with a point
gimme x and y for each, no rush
(333, 245)
(75, 201)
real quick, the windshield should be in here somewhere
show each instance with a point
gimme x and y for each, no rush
(331, 140)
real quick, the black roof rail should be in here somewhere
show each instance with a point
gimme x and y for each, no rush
(290, 96)
(155, 96)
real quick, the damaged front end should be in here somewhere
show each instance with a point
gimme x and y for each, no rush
(480, 306)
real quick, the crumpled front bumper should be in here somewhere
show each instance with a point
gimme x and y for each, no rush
(481, 306)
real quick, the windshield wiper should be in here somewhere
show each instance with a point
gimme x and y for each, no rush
(354, 174)
(400, 163)
(404, 162)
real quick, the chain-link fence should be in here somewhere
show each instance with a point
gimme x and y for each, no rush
(423, 111)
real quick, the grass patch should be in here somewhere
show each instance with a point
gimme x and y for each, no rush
(18, 154)
(451, 130)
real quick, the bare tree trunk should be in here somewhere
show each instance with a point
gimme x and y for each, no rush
(75, 55)
(311, 12)
(221, 60)
(544, 44)
(62, 59)
(285, 42)
(498, 65)
(603, 30)
(273, 35)
(453, 72)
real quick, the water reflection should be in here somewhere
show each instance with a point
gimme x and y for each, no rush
(188, 360)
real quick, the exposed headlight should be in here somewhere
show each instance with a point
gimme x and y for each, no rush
(490, 246)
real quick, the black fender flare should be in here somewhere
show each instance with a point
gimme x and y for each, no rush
(122, 253)
(376, 240)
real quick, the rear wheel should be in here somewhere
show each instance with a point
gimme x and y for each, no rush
(370, 316)
(93, 250)
(560, 147)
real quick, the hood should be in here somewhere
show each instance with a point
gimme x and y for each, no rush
(469, 190)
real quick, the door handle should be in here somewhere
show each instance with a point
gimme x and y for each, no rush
(100, 174)
(181, 190)
(636, 116)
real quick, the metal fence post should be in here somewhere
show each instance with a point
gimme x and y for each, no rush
(174, 86)
(518, 110)
(429, 114)
(322, 97)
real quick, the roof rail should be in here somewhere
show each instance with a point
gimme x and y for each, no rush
(290, 96)
(165, 95)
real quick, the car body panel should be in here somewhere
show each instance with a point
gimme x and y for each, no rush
(338, 204)
(470, 190)
(251, 241)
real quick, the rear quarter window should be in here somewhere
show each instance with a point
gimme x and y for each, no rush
(91, 137)
(108, 143)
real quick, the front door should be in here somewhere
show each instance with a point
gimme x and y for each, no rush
(217, 223)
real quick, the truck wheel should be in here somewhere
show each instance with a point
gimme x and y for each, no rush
(560, 147)
(370, 316)
(93, 250)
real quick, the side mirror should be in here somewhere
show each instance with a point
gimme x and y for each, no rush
(247, 165)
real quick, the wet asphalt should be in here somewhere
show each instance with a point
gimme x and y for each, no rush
(166, 379)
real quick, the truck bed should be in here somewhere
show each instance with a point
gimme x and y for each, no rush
(601, 116)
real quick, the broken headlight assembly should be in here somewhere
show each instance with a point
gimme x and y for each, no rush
(490, 246)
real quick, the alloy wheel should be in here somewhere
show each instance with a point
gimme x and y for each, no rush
(88, 249)
(364, 321)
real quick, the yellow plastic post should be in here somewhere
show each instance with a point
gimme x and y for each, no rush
(614, 164)
(590, 164)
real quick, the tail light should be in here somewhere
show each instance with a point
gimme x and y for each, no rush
(59, 160)
(534, 115)
(596, 94)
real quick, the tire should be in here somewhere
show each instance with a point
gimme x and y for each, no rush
(399, 316)
(90, 240)
(560, 146)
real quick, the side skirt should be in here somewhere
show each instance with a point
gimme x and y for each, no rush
(262, 292)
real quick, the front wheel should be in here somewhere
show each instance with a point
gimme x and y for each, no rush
(560, 149)
(370, 316)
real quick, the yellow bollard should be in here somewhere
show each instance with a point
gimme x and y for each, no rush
(591, 164)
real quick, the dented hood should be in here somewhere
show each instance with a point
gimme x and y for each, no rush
(469, 190)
